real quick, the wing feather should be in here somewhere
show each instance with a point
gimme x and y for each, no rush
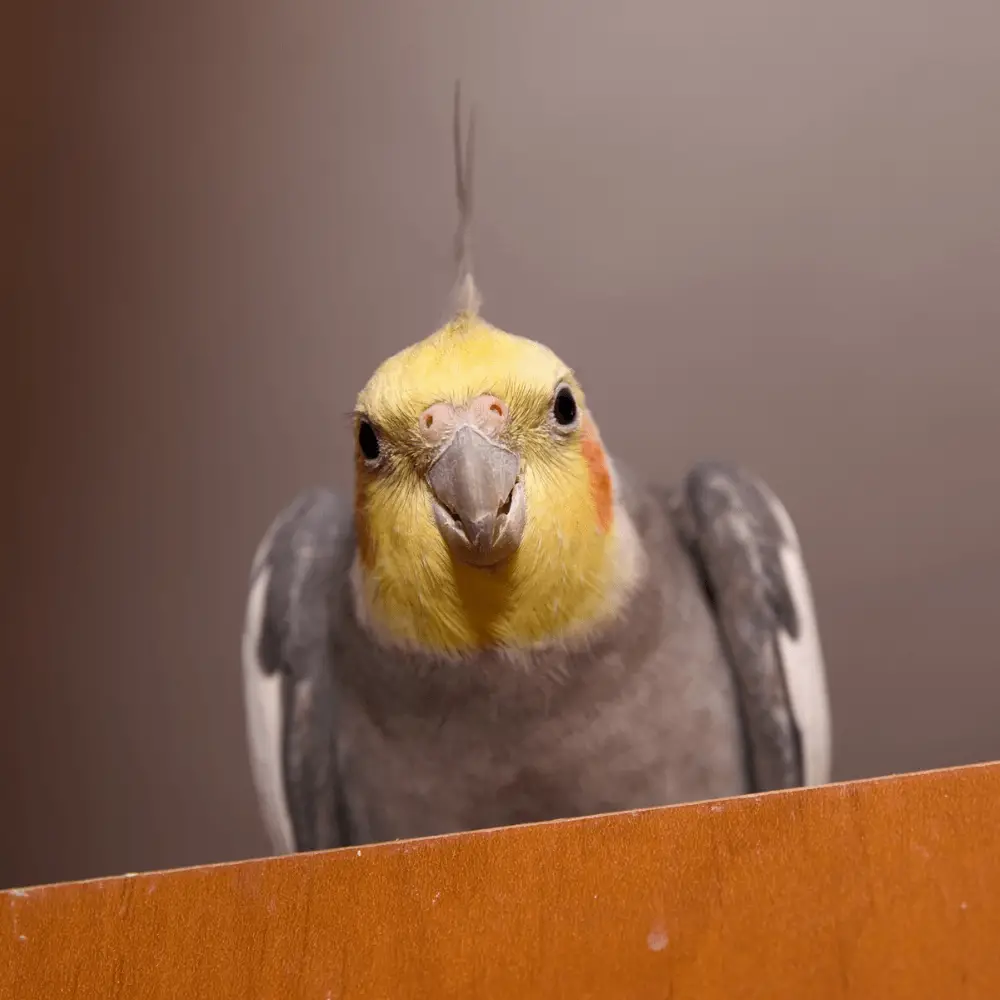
(746, 548)
(291, 617)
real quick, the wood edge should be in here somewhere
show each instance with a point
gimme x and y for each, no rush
(832, 788)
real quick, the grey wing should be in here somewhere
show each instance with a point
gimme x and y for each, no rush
(297, 576)
(746, 549)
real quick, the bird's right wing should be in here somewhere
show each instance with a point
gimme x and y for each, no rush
(297, 576)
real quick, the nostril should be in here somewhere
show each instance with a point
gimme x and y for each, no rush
(435, 422)
(505, 506)
(489, 414)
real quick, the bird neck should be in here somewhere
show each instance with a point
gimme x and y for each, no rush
(559, 590)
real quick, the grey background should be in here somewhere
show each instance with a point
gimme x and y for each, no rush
(767, 231)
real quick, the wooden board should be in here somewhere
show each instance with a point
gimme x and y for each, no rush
(881, 889)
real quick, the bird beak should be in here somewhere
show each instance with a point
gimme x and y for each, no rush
(478, 498)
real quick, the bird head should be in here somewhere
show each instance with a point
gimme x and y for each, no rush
(485, 506)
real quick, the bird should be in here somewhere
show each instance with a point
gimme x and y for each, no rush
(504, 624)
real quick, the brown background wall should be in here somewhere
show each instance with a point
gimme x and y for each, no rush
(757, 230)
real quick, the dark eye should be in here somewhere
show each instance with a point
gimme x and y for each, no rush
(368, 441)
(564, 406)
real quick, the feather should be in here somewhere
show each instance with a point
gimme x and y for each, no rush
(466, 299)
(746, 549)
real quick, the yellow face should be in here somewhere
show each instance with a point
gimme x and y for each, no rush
(484, 503)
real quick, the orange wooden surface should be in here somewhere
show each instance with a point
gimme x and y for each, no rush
(878, 889)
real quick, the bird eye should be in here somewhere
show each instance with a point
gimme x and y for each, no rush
(564, 407)
(368, 441)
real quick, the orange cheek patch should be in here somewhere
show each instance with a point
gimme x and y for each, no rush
(597, 469)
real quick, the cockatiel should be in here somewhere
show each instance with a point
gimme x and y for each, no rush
(503, 625)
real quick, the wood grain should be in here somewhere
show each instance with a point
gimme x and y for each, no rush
(878, 889)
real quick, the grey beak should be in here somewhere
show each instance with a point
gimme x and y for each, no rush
(479, 500)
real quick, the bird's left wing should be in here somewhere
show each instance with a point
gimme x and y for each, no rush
(747, 552)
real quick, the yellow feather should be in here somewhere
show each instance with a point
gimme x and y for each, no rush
(567, 575)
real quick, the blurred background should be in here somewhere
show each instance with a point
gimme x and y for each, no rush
(766, 231)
